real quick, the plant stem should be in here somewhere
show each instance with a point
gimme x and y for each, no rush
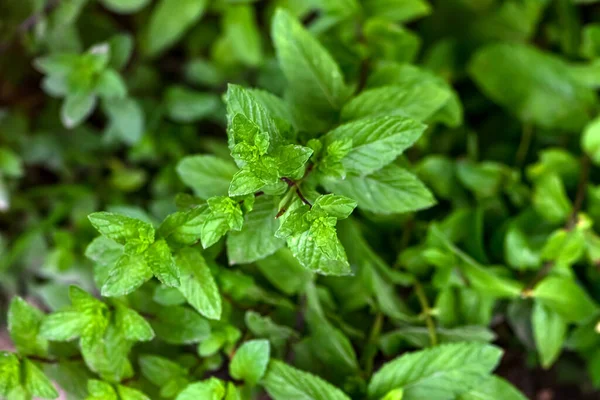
(370, 350)
(427, 312)
(526, 137)
(581, 191)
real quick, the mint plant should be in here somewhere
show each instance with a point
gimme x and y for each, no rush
(237, 200)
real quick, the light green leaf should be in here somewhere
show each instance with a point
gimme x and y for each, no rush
(133, 326)
(159, 370)
(169, 21)
(37, 383)
(244, 182)
(250, 361)
(197, 283)
(126, 118)
(439, 373)
(127, 393)
(566, 297)
(550, 199)
(257, 238)
(542, 89)
(590, 140)
(100, 390)
(284, 271)
(207, 175)
(186, 105)
(185, 227)
(387, 191)
(210, 389)
(397, 10)
(376, 142)
(111, 87)
(283, 382)
(64, 325)
(418, 101)
(316, 258)
(180, 325)
(9, 372)
(242, 101)
(161, 262)
(129, 273)
(121, 228)
(493, 388)
(76, 108)
(125, 6)
(24, 322)
(339, 207)
(291, 160)
(549, 332)
(168, 296)
(315, 80)
(241, 29)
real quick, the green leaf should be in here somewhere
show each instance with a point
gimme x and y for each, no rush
(9, 372)
(161, 262)
(242, 101)
(315, 80)
(186, 105)
(24, 322)
(180, 325)
(566, 297)
(283, 382)
(185, 227)
(329, 344)
(126, 118)
(549, 332)
(291, 160)
(339, 207)
(207, 175)
(128, 274)
(125, 6)
(197, 283)
(210, 389)
(244, 182)
(550, 199)
(392, 342)
(111, 88)
(159, 370)
(76, 108)
(387, 191)
(121, 228)
(241, 29)
(225, 215)
(10, 163)
(397, 10)
(63, 325)
(127, 393)
(493, 388)
(100, 390)
(257, 238)
(439, 373)
(37, 383)
(133, 325)
(169, 21)
(481, 278)
(418, 101)
(250, 361)
(376, 142)
(284, 271)
(542, 89)
(590, 140)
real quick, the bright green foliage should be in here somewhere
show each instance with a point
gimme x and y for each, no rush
(299, 200)
(250, 361)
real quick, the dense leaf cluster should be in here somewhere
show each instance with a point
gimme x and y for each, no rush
(324, 199)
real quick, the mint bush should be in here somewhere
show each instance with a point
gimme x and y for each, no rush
(327, 199)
